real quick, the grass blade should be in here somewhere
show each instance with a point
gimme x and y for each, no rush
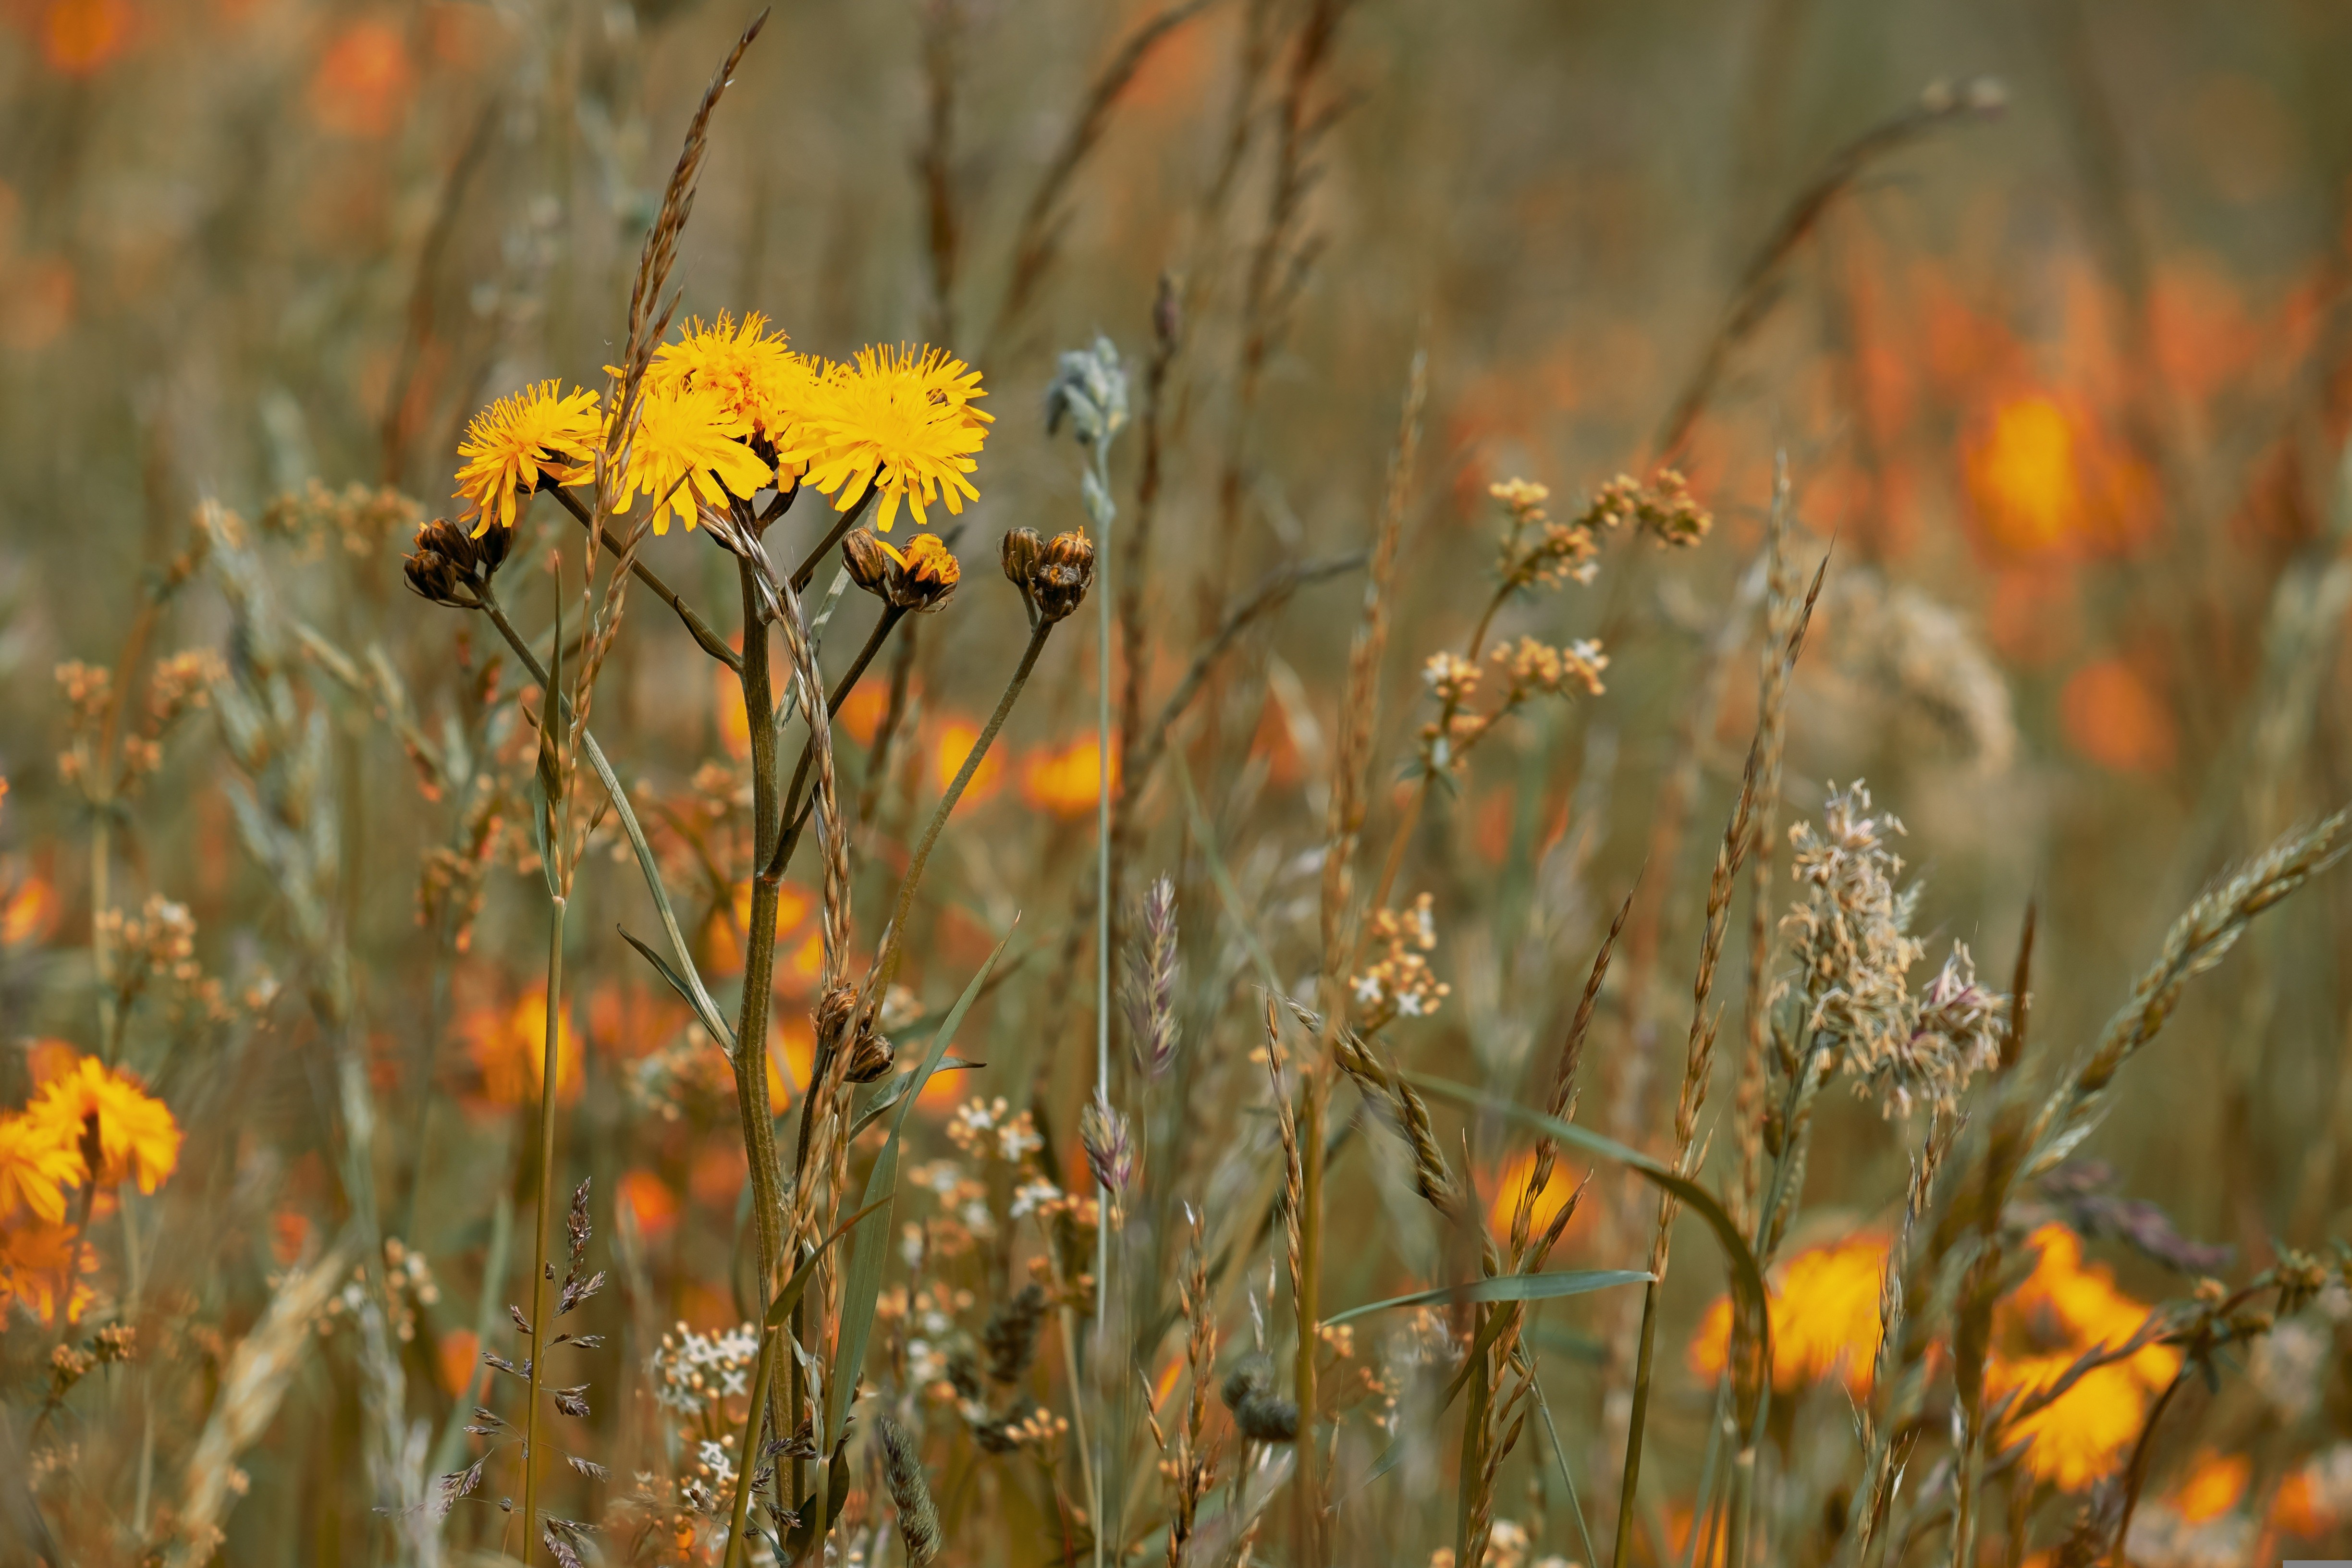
(1544, 1286)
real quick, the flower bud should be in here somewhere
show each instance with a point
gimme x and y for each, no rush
(1019, 552)
(449, 559)
(926, 575)
(869, 1059)
(1064, 573)
(868, 560)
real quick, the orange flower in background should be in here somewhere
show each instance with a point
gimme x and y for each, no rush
(458, 1357)
(650, 1203)
(2044, 478)
(734, 724)
(1068, 781)
(956, 740)
(509, 1048)
(863, 710)
(2065, 1309)
(38, 1160)
(81, 36)
(2112, 718)
(137, 1137)
(33, 1261)
(2213, 1486)
(1824, 1318)
(1515, 1175)
(28, 912)
(364, 81)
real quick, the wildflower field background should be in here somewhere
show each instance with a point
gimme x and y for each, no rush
(1579, 800)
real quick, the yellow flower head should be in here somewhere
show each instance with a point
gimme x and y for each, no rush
(902, 420)
(137, 1137)
(757, 379)
(1824, 1318)
(518, 441)
(38, 1162)
(689, 447)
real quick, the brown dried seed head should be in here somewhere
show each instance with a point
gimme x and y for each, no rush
(910, 1491)
(870, 1058)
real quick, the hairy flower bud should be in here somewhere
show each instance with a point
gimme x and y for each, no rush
(1019, 553)
(1064, 573)
(922, 579)
(870, 565)
(449, 562)
(869, 1059)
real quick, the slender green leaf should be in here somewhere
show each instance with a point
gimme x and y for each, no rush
(862, 1288)
(697, 995)
(1746, 1278)
(1504, 1288)
(779, 1311)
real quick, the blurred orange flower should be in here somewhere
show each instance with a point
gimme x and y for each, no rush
(28, 912)
(863, 710)
(2065, 1309)
(2042, 477)
(33, 1259)
(460, 1356)
(79, 36)
(2213, 1486)
(1514, 1179)
(1824, 1317)
(2112, 718)
(364, 81)
(509, 1048)
(649, 1201)
(956, 739)
(1068, 781)
(137, 1137)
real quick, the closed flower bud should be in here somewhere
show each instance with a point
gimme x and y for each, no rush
(1064, 573)
(870, 1058)
(1020, 553)
(870, 565)
(450, 561)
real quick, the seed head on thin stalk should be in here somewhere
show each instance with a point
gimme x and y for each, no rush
(1151, 983)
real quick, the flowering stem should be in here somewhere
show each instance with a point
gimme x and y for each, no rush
(798, 809)
(711, 642)
(886, 960)
(763, 1377)
(538, 1317)
(806, 572)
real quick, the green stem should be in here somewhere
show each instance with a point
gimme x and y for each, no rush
(1641, 1367)
(696, 627)
(750, 1058)
(885, 963)
(748, 1460)
(799, 809)
(539, 1316)
(1308, 1293)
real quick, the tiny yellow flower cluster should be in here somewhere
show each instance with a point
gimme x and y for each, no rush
(730, 409)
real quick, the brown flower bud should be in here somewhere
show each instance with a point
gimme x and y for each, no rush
(448, 560)
(1021, 550)
(926, 576)
(869, 561)
(1064, 573)
(870, 1058)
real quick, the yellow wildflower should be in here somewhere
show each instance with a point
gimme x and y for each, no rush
(38, 1162)
(901, 420)
(1824, 1317)
(755, 377)
(509, 1046)
(689, 447)
(519, 442)
(137, 1137)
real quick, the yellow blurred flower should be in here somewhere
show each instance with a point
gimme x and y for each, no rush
(956, 739)
(28, 912)
(2064, 1310)
(1066, 781)
(33, 1261)
(689, 447)
(1515, 1179)
(509, 1048)
(754, 375)
(137, 1137)
(521, 441)
(1824, 1317)
(901, 419)
(38, 1160)
(2213, 1486)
